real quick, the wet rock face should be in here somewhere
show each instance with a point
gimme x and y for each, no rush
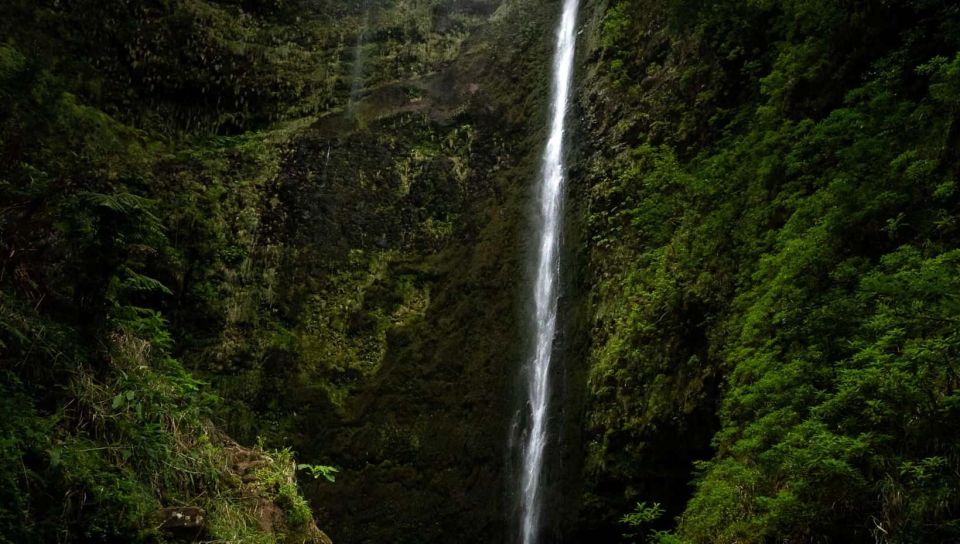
(427, 220)
(395, 240)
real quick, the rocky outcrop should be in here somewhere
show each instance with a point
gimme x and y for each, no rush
(264, 486)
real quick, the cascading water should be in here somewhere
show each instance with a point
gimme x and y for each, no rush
(547, 272)
(359, 58)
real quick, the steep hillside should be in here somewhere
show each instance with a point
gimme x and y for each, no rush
(269, 261)
(371, 316)
(119, 122)
(318, 208)
(768, 190)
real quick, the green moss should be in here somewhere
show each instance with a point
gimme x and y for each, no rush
(763, 186)
(108, 425)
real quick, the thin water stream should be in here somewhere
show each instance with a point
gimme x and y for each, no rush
(545, 292)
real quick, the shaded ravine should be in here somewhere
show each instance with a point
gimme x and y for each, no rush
(545, 286)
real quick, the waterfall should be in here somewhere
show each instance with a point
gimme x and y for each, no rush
(359, 57)
(547, 271)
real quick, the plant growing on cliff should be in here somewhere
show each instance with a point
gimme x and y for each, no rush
(317, 471)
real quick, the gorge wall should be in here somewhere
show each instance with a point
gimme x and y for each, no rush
(392, 243)
(766, 196)
(307, 225)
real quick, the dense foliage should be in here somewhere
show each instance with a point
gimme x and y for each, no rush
(103, 427)
(781, 215)
(303, 223)
(240, 213)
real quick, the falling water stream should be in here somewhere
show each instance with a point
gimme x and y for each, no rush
(359, 58)
(545, 285)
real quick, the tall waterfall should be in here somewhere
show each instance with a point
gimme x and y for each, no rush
(547, 272)
(359, 58)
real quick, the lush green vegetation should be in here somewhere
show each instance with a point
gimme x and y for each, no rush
(232, 230)
(105, 133)
(236, 216)
(782, 221)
